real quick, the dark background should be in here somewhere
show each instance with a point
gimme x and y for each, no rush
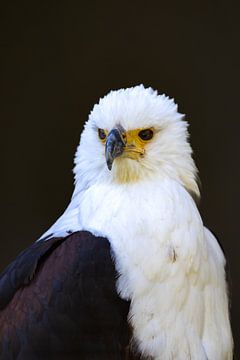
(58, 58)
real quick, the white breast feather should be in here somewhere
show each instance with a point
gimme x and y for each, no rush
(171, 268)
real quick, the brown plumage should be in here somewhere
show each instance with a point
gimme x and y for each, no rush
(58, 301)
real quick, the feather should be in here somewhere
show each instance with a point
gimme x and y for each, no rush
(69, 307)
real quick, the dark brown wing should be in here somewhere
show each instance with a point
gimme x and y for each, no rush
(58, 301)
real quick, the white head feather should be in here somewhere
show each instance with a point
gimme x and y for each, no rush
(167, 155)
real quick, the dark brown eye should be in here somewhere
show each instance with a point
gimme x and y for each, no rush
(146, 134)
(101, 134)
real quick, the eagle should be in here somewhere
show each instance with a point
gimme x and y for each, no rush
(128, 271)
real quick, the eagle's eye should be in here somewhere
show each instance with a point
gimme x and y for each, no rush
(146, 134)
(101, 133)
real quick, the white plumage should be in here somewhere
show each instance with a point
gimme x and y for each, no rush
(171, 267)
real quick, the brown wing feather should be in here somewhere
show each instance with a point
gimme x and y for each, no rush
(62, 303)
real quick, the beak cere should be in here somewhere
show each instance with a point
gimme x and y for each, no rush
(115, 145)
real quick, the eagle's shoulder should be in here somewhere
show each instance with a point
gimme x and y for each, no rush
(59, 295)
(78, 247)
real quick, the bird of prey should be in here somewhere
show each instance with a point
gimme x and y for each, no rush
(128, 271)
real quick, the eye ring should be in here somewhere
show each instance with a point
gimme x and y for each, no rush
(146, 134)
(102, 134)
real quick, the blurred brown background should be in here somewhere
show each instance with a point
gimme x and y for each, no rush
(58, 58)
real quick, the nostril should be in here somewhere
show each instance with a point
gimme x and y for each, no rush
(123, 137)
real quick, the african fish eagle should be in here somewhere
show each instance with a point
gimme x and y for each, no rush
(128, 271)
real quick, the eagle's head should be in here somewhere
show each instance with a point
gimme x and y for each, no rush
(132, 135)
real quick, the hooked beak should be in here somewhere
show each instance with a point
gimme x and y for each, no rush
(115, 145)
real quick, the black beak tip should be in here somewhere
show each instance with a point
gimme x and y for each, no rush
(109, 165)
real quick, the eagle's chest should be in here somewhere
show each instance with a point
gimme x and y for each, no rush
(153, 234)
(138, 221)
(127, 213)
